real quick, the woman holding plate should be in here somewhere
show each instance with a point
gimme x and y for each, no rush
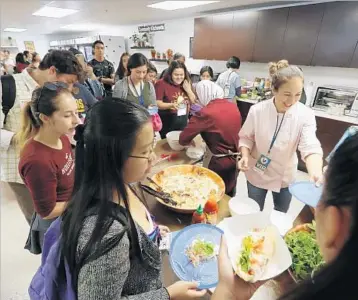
(337, 236)
(271, 134)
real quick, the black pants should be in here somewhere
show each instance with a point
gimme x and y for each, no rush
(171, 122)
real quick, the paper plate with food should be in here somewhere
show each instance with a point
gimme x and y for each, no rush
(188, 186)
(194, 252)
(256, 249)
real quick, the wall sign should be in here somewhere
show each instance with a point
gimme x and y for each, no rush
(30, 46)
(151, 28)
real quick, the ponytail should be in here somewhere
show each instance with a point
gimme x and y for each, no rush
(29, 127)
(43, 102)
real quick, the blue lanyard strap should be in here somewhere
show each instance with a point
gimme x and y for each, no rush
(277, 130)
(140, 97)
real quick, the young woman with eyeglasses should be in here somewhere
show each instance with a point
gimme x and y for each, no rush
(46, 161)
(108, 237)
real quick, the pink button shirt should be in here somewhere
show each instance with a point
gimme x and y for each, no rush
(298, 130)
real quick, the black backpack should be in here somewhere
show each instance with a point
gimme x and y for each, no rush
(8, 94)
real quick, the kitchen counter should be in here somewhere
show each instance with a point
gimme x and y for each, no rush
(346, 119)
(176, 221)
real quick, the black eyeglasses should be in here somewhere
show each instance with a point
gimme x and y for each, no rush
(146, 157)
(52, 86)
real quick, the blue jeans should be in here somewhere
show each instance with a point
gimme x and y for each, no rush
(281, 200)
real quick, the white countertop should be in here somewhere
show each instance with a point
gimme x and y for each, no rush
(347, 119)
(322, 114)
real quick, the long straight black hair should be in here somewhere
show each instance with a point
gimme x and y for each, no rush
(104, 143)
(121, 71)
(337, 280)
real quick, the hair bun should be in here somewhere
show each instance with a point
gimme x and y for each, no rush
(274, 67)
(80, 128)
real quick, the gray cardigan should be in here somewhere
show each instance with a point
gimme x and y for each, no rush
(115, 275)
(121, 90)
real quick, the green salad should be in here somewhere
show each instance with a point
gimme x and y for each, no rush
(306, 256)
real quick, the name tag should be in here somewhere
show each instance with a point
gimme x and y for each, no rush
(262, 164)
(181, 110)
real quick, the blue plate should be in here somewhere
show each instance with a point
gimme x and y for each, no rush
(206, 273)
(306, 192)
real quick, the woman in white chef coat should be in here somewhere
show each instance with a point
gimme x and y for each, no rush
(271, 134)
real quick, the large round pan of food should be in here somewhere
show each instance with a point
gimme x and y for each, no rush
(187, 187)
(306, 256)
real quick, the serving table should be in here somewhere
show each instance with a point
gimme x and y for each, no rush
(176, 221)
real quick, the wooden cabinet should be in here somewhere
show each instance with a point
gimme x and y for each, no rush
(329, 132)
(323, 34)
(338, 35)
(222, 33)
(270, 34)
(202, 38)
(244, 108)
(303, 26)
(243, 41)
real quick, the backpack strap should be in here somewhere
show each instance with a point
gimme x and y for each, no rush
(90, 87)
(8, 94)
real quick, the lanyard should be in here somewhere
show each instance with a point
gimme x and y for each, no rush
(277, 130)
(140, 97)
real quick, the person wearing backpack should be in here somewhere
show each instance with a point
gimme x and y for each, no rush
(58, 65)
(46, 161)
(230, 80)
(107, 245)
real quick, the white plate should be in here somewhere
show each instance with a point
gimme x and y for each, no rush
(236, 228)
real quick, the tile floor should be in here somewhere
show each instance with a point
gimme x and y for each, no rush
(18, 265)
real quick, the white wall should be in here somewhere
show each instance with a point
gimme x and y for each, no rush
(42, 43)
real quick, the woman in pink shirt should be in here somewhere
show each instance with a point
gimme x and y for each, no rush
(272, 133)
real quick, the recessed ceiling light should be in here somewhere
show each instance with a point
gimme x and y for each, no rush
(173, 5)
(54, 12)
(12, 29)
(83, 27)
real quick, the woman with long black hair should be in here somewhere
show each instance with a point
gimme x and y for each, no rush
(337, 236)
(108, 237)
(122, 70)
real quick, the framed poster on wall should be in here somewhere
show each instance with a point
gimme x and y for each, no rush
(30, 46)
(191, 41)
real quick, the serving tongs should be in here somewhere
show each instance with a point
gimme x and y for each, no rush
(166, 197)
(237, 155)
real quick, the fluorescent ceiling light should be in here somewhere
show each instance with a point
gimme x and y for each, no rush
(54, 12)
(11, 29)
(173, 5)
(83, 27)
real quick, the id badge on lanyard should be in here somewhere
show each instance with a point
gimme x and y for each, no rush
(264, 161)
(141, 96)
(181, 110)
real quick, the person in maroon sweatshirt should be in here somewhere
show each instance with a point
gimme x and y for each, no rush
(219, 123)
(46, 160)
(174, 96)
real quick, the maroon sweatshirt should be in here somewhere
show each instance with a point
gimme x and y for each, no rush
(48, 174)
